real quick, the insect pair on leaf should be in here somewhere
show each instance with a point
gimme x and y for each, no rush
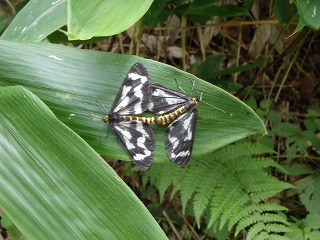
(137, 95)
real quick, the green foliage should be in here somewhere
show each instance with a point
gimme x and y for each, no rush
(285, 11)
(301, 11)
(209, 70)
(157, 13)
(210, 67)
(87, 19)
(198, 11)
(312, 123)
(298, 141)
(297, 138)
(36, 20)
(230, 187)
(50, 73)
(308, 14)
(54, 185)
(309, 192)
(74, 101)
(306, 229)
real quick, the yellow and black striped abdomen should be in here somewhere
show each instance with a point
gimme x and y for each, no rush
(128, 118)
(148, 120)
(160, 120)
(169, 117)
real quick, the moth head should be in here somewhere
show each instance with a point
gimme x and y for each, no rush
(106, 118)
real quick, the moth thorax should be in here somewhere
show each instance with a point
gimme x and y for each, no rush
(189, 105)
(112, 118)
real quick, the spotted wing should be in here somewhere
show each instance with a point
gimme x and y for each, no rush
(138, 138)
(135, 92)
(180, 137)
(165, 100)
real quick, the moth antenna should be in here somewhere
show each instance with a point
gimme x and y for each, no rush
(200, 99)
(214, 107)
(102, 107)
(194, 88)
(180, 88)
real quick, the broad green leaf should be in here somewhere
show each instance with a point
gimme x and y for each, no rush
(285, 11)
(203, 14)
(239, 69)
(54, 185)
(87, 19)
(37, 20)
(71, 81)
(157, 13)
(210, 66)
(308, 14)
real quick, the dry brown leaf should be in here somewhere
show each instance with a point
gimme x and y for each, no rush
(279, 43)
(175, 52)
(260, 38)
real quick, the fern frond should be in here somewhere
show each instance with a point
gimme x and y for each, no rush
(262, 227)
(205, 189)
(268, 236)
(234, 203)
(201, 181)
(243, 149)
(273, 227)
(229, 186)
(201, 198)
(253, 163)
(188, 184)
(163, 177)
(178, 176)
(259, 208)
(188, 187)
(255, 218)
(260, 190)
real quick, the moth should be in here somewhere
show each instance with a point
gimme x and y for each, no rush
(133, 98)
(180, 112)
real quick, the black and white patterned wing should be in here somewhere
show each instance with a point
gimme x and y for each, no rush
(135, 92)
(180, 137)
(139, 140)
(165, 100)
